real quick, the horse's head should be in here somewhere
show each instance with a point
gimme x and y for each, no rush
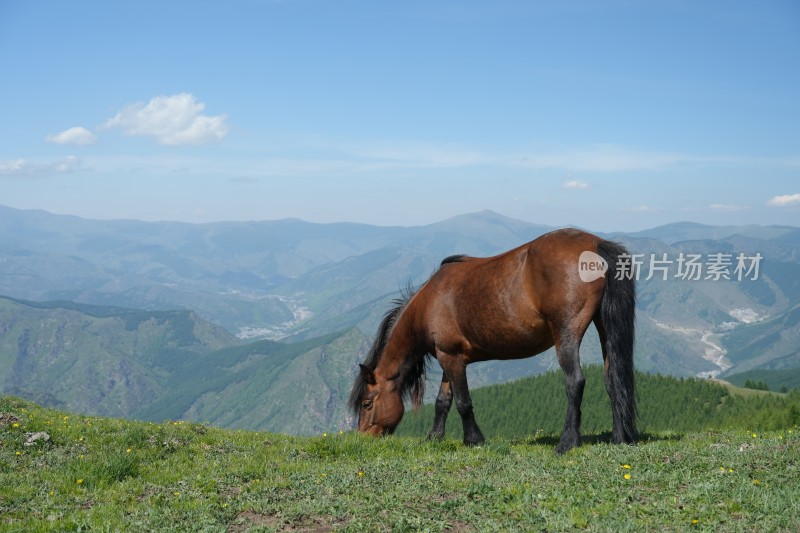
(378, 403)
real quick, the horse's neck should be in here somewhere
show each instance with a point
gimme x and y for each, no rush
(399, 350)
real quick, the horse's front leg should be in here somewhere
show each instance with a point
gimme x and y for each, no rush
(455, 369)
(443, 402)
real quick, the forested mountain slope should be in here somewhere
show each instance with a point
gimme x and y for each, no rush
(535, 405)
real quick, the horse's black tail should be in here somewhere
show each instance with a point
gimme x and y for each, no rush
(617, 315)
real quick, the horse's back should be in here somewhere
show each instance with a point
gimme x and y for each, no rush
(545, 261)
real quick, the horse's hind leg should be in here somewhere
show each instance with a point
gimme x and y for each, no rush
(443, 402)
(567, 351)
(456, 371)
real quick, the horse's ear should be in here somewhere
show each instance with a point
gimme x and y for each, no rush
(368, 375)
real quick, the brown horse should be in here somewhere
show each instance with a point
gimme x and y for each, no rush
(511, 306)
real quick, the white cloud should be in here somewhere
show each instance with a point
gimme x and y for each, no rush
(785, 200)
(370, 156)
(728, 207)
(414, 154)
(68, 164)
(601, 158)
(25, 168)
(14, 167)
(77, 135)
(645, 209)
(575, 184)
(170, 120)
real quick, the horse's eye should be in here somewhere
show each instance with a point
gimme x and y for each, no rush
(367, 404)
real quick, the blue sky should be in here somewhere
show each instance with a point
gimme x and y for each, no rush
(610, 115)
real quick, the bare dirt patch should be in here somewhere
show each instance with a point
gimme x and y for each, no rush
(6, 419)
(250, 519)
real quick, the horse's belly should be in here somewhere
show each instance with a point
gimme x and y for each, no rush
(510, 342)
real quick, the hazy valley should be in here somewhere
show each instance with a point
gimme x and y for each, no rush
(261, 324)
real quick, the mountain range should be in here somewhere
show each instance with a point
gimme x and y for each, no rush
(261, 324)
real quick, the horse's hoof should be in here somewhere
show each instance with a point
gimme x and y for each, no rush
(564, 447)
(475, 440)
(623, 439)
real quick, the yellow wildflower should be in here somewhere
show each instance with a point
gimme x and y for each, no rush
(627, 476)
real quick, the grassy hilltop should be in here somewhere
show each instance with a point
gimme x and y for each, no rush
(111, 475)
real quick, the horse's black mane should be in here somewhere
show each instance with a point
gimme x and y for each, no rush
(413, 378)
(454, 259)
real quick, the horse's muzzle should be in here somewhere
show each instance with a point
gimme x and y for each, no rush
(377, 431)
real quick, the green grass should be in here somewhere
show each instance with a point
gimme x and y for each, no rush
(112, 475)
